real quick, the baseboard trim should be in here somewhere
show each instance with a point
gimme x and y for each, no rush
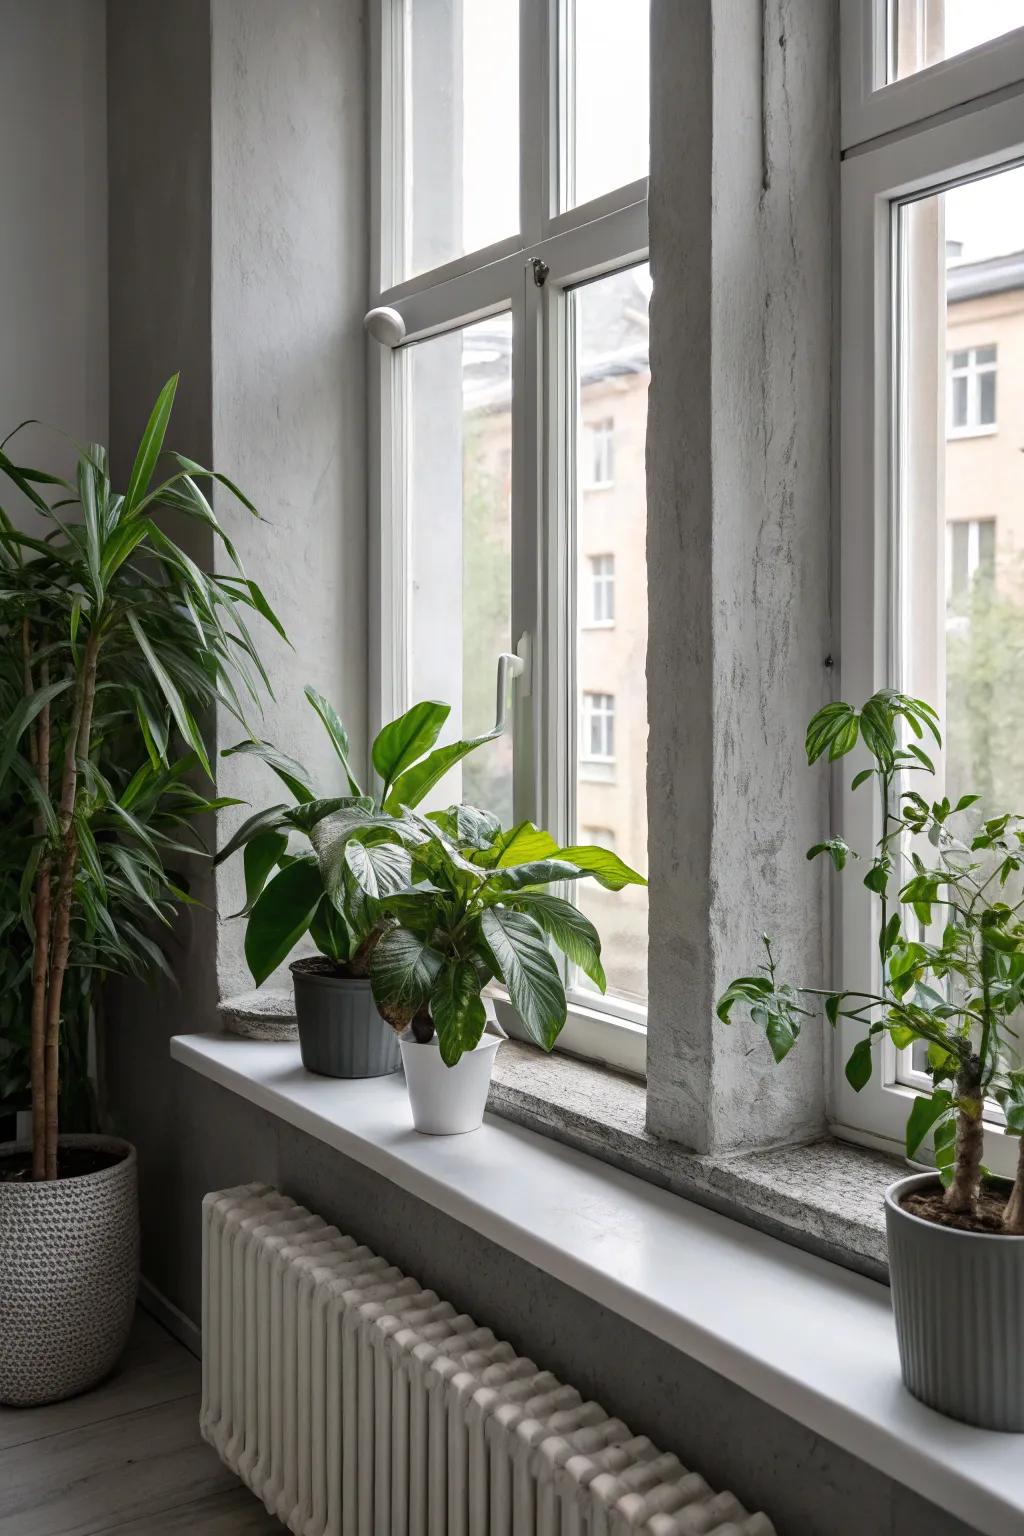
(171, 1317)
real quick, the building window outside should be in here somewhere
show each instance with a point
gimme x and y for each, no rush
(599, 455)
(599, 726)
(602, 589)
(601, 837)
(972, 391)
(932, 603)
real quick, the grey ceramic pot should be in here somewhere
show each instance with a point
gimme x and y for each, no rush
(959, 1304)
(69, 1260)
(341, 1034)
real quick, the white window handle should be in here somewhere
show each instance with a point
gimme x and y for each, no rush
(509, 667)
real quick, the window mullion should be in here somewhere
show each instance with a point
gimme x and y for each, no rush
(535, 124)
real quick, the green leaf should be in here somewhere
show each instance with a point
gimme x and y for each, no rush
(261, 855)
(403, 971)
(405, 740)
(179, 709)
(745, 989)
(288, 770)
(523, 844)
(457, 1010)
(411, 786)
(336, 731)
(273, 817)
(833, 728)
(21, 717)
(150, 447)
(606, 867)
(779, 1032)
(330, 933)
(574, 934)
(837, 849)
(858, 1068)
(926, 1110)
(281, 915)
(521, 957)
(380, 869)
(542, 872)
(832, 1007)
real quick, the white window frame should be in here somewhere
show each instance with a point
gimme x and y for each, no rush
(572, 246)
(972, 371)
(600, 591)
(872, 105)
(936, 154)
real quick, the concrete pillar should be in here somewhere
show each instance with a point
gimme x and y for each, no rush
(744, 182)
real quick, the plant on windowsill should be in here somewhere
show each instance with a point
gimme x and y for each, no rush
(413, 915)
(951, 962)
(114, 644)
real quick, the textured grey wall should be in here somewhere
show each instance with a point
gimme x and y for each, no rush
(743, 189)
(53, 241)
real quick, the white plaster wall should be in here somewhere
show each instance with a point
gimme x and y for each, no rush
(53, 233)
(289, 289)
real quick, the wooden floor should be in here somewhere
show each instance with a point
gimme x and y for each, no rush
(126, 1458)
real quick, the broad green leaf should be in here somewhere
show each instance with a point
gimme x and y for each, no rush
(403, 971)
(606, 867)
(272, 818)
(330, 933)
(336, 731)
(523, 844)
(779, 1032)
(281, 915)
(289, 771)
(542, 872)
(261, 855)
(858, 1068)
(457, 1010)
(22, 716)
(833, 728)
(380, 869)
(574, 934)
(411, 786)
(925, 1111)
(405, 740)
(745, 989)
(521, 957)
(837, 849)
(150, 447)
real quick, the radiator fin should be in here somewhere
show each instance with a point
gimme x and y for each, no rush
(355, 1403)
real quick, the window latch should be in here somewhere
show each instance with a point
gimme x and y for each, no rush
(541, 271)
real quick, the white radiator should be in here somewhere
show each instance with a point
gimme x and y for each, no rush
(353, 1403)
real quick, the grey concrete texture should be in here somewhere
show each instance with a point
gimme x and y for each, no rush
(743, 189)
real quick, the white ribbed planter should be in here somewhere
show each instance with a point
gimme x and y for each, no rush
(959, 1304)
(69, 1258)
(447, 1101)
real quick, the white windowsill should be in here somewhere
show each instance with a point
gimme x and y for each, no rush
(957, 434)
(812, 1340)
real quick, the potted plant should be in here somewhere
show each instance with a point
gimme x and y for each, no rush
(114, 644)
(458, 902)
(951, 978)
(341, 1032)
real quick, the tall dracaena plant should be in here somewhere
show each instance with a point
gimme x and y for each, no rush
(115, 644)
(950, 947)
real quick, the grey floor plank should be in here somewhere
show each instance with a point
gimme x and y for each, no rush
(135, 1467)
(232, 1513)
(155, 1369)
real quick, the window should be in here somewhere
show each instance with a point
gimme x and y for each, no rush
(932, 537)
(601, 837)
(971, 396)
(599, 726)
(602, 589)
(509, 381)
(923, 33)
(599, 454)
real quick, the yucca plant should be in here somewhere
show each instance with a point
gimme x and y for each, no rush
(115, 646)
(950, 949)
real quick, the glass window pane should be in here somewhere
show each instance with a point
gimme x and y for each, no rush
(924, 32)
(459, 434)
(609, 326)
(606, 97)
(960, 529)
(461, 188)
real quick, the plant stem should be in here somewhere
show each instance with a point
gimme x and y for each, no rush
(962, 1194)
(76, 749)
(39, 753)
(1013, 1215)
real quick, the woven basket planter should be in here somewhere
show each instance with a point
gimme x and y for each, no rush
(69, 1258)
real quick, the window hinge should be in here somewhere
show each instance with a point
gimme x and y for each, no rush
(541, 271)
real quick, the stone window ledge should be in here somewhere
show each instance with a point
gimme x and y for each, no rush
(825, 1197)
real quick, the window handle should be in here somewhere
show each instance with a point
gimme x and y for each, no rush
(510, 667)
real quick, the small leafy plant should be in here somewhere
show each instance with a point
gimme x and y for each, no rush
(430, 907)
(950, 947)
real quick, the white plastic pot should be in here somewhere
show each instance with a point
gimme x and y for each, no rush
(447, 1101)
